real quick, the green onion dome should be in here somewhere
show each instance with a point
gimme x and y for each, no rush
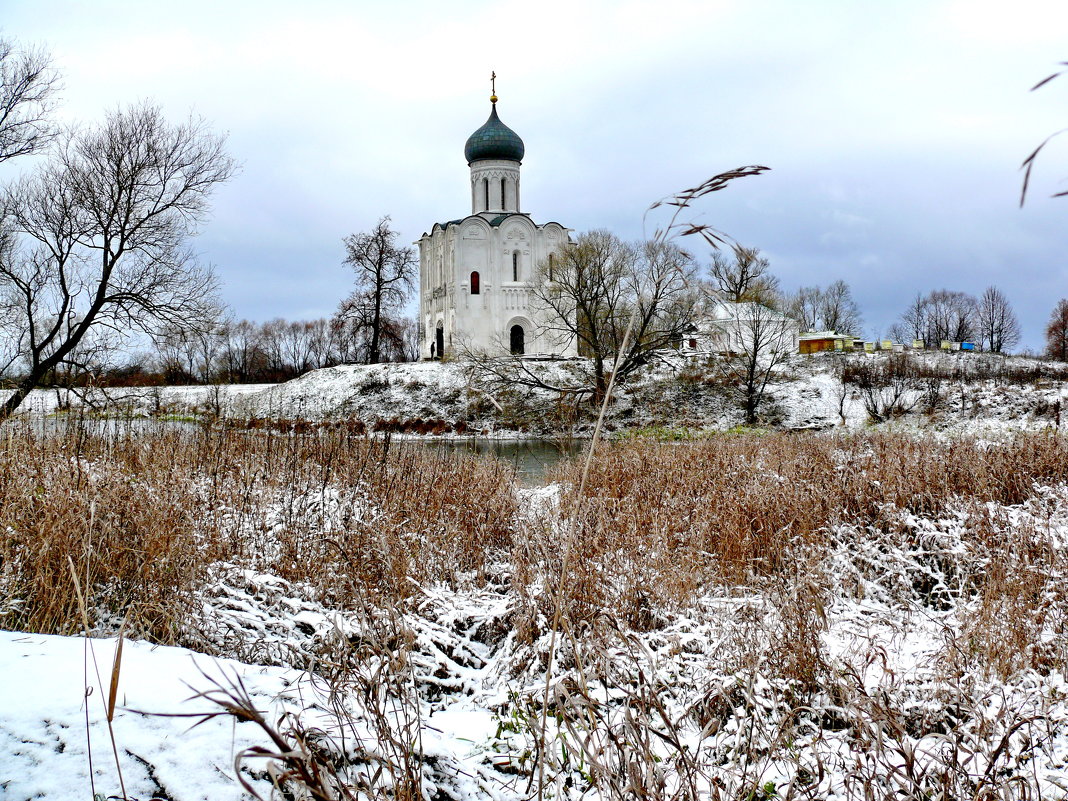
(494, 140)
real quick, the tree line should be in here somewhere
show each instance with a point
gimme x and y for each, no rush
(277, 350)
(947, 315)
(367, 328)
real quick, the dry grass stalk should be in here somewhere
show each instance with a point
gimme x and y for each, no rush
(145, 512)
(109, 703)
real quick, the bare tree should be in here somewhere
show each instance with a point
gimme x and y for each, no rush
(398, 336)
(272, 335)
(831, 309)
(191, 353)
(804, 306)
(28, 89)
(385, 278)
(176, 355)
(595, 287)
(96, 240)
(241, 351)
(756, 339)
(939, 316)
(348, 340)
(743, 276)
(1057, 332)
(411, 339)
(913, 322)
(951, 316)
(298, 346)
(838, 311)
(320, 350)
(998, 327)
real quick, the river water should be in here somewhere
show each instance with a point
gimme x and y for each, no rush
(531, 458)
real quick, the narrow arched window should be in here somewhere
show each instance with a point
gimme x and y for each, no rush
(515, 265)
(550, 266)
(475, 288)
(485, 190)
(504, 203)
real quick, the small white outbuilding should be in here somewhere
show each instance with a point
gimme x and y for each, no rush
(740, 328)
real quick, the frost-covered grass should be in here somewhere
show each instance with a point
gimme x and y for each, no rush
(866, 615)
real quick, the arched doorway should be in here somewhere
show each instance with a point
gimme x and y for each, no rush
(439, 340)
(517, 340)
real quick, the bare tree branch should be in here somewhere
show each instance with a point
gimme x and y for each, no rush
(28, 89)
(744, 277)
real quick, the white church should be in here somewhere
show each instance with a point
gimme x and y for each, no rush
(476, 273)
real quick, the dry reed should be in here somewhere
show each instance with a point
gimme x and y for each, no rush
(143, 510)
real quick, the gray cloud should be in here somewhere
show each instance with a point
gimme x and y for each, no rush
(894, 131)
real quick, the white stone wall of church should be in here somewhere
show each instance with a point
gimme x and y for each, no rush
(482, 322)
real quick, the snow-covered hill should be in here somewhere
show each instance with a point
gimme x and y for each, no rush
(954, 393)
(806, 394)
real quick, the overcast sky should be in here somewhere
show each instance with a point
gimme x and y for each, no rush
(894, 130)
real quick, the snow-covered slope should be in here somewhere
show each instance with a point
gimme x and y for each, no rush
(381, 391)
(976, 392)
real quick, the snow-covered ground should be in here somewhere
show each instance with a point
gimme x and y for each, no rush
(712, 693)
(55, 741)
(902, 704)
(158, 401)
(675, 392)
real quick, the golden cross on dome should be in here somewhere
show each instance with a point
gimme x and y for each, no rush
(493, 87)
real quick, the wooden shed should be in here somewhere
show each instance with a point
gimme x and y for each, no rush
(819, 341)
